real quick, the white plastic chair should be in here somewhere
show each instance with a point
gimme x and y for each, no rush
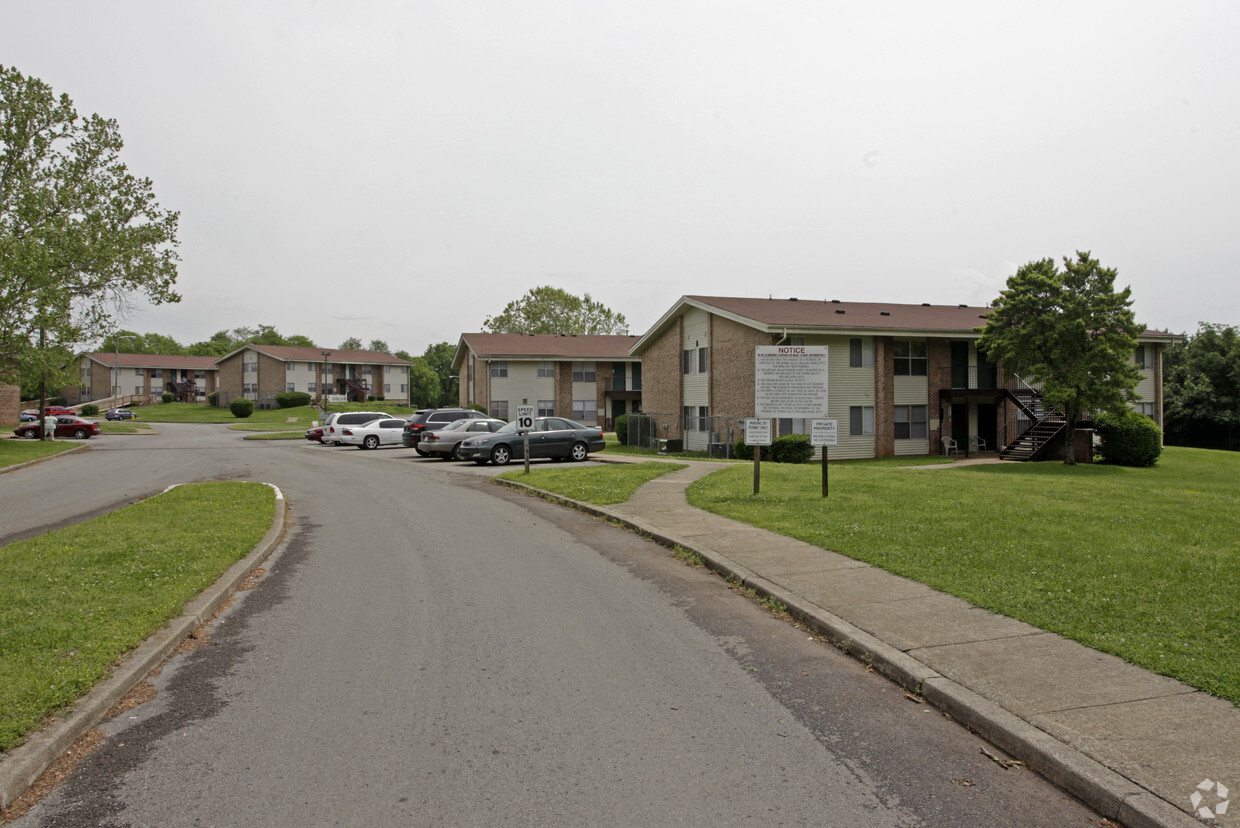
(950, 446)
(977, 443)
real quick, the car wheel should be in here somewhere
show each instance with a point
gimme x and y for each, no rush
(579, 452)
(500, 455)
(31, 435)
(80, 434)
(371, 441)
(455, 454)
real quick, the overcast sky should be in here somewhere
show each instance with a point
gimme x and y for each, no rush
(402, 170)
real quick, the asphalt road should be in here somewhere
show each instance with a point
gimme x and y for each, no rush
(430, 649)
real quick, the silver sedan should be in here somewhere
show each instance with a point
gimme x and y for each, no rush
(445, 442)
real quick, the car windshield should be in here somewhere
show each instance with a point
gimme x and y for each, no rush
(455, 424)
(509, 428)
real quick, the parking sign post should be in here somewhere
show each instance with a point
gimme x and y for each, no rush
(525, 421)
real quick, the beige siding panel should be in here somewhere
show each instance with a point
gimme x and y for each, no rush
(846, 387)
(1146, 388)
(696, 389)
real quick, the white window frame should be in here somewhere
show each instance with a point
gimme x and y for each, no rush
(860, 420)
(499, 370)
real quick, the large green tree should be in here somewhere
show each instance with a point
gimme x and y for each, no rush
(549, 310)
(1069, 331)
(80, 236)
(1202, 389)
(438, 357)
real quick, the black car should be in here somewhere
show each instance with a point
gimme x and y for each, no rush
(553, 437)
(432, 419)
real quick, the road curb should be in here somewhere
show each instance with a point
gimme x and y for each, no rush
(24, 764)
(1107, 792)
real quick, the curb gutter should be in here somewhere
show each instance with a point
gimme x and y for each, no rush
(24, 764)
(1107, 792)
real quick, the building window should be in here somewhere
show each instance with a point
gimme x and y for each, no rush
(546, 370)
(546, 408)
(137, 372)
(387, 388)
(499, 370)
(910, 422)
(1144, 408)
(290, 366)
(404, 388)
(860, 353)
(860, 420)
(366, 370)
(910, 357)
(694, 361)
(697, 418)
(250, 367)
(312, 388)
(499, 409)
(1143, 357)
(584, 372)
(585, 411)
(292, 386)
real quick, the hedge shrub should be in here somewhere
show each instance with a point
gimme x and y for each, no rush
(1128, 439)
(292, 399)
(168, 397)
(791, 448)
(213, 399)
(90, 410)
(622, 429)
(241, 407)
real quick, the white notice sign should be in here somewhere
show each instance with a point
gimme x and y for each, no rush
(790, 381)
(824, 433)
(757, 432)
(525, 418)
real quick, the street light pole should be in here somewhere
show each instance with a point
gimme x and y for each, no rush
(323, 379)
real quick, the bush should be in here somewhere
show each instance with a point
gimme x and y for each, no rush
(241, 407)
(213, 399)
(292, 399)
(791, 448)
(168, 397)
(622, 429)
(1128, 439)
(90, 410)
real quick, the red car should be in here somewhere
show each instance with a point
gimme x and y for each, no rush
(315, 435)
(66, 426)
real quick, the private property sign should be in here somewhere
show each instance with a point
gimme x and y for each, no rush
(790, 381)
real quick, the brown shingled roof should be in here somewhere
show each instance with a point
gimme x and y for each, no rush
(110, 358)
(550, 346)
(852, 315)
(293, 353)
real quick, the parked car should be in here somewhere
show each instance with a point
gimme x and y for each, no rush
(553, 437)
(444, 442)
(119, 414)
(334, 422)
(66, 426)
(433, 419)
(315, 435)
(385, 432)
(29, 415)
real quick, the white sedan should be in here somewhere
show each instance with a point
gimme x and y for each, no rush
(373, 434)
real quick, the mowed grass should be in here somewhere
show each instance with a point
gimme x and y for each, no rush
(304, 415)
(600, 486)
(73, 600)
(1141, 563)
(16, 450)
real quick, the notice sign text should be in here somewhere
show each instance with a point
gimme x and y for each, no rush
(790, 381)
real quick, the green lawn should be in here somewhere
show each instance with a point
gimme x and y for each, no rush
(73, 600)
(611, 484)
(14, 450)
(124, 427)
(198, 413)
(1141, 563)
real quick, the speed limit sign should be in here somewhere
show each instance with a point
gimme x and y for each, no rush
(525, 417)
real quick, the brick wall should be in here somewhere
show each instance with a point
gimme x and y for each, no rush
(563, 389)
(10, 404)
(662, 391)
(272, 376)
(230, 377)
(939, 363)
(884, 398)
(732, 366)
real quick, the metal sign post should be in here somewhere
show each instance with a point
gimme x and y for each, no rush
(824, 433)
(525, 421)
(757, 434)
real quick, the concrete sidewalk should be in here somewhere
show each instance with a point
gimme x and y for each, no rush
(1133, 745)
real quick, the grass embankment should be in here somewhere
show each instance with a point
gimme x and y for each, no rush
(14, 451)
(1141, 563)
(600, 486)
(124, 427)
(286, 418)
(73, 600)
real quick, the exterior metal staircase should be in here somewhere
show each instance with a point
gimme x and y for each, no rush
(1045, 425)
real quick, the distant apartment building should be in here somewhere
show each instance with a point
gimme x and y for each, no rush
(260, 372)
(588, 378)
(104, 376)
